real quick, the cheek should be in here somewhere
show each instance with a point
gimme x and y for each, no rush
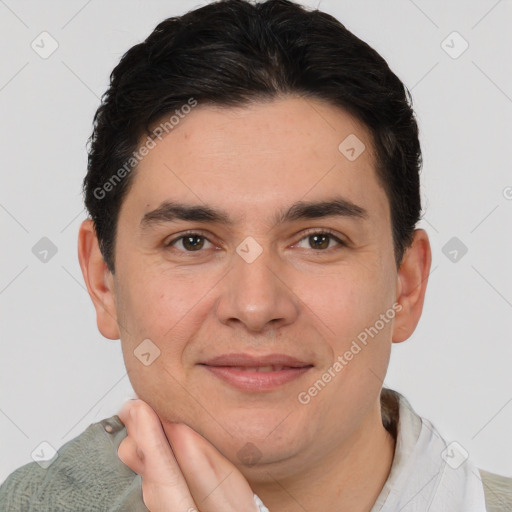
(167, 308)
(157, 302)
(164, 309)
(344, 303)
(347, 309)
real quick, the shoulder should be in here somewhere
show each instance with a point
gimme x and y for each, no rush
(86, 474)
(498, 491)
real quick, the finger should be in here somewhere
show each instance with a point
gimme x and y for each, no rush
(128, 453)
(164, 487)
(144, 428)
(214, 482)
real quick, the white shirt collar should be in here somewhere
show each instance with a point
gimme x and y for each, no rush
(427, 473)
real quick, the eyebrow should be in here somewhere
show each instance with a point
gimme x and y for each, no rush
(172, 211)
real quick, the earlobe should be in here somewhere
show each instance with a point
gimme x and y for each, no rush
(412, 284)
(98, 280)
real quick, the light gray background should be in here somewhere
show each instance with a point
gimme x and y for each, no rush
(58, 374)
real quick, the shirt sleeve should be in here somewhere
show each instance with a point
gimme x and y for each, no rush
(498, 491)
(20, 486)
(86, 476)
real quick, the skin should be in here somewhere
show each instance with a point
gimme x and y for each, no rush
(169, 480)
(295, 298)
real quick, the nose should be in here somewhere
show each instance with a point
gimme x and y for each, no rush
(257, 295)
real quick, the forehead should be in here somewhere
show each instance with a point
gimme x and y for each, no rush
(257, 158)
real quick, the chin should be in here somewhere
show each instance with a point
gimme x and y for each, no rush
(275, 466)
(252, 449)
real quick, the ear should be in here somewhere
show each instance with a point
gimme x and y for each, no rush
(411, 286)
(98, 279)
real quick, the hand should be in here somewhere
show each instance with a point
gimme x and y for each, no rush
(182, 473)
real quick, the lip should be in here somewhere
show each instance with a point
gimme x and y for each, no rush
(227, 368)
(251, 361)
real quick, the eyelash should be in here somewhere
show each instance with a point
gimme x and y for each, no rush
(307, 234)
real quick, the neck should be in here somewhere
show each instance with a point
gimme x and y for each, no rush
(349, 478)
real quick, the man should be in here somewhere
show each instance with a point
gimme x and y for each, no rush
(253, 190)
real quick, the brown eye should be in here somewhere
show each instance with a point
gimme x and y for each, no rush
(191, 242)
(320, 240)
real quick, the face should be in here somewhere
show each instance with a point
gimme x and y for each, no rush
(261, 274)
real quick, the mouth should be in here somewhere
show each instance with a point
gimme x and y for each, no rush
(256, 373)
(263, 369)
